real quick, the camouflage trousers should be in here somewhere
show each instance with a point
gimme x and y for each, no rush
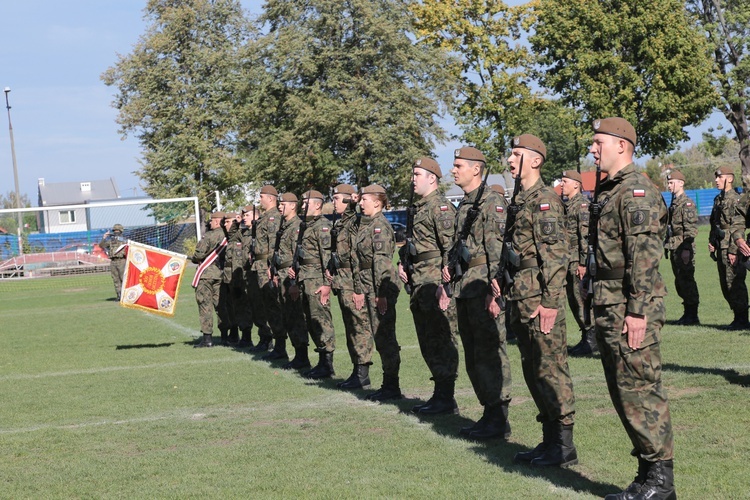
(732, 281)
(292, 312)
(684, 278)
(318, 317)
(235, 302)
(271, 304)
(117, 270)
(436, 332)
(544, 361)
(255, 303)
(383, 328)
(575, 300)
(359, 339)
(485, 351)
(634, 379)
(207, 295)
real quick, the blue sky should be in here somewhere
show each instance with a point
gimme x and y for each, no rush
(52, 54)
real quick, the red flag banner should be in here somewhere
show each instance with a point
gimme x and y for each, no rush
(152, 279)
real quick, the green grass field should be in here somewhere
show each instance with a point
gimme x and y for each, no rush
(99, 401)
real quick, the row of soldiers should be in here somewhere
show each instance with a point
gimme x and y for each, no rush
(470, 270)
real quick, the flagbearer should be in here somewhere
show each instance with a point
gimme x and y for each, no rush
(209, 255)
(116, 247)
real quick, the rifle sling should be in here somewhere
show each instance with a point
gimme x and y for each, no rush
(262, 256)
(307, 262)
(528, 264)
(617, 273)
(433, 254)
(478, 261)
(284, 265)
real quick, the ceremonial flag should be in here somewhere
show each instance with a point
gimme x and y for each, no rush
(152, 279)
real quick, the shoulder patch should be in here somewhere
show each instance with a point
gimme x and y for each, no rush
(584, 205)
(689, 204)
(639, 193)
(443, 208)
(377, 230)
(272, 219)
(499, 208)
(325, 229)
(544, 207)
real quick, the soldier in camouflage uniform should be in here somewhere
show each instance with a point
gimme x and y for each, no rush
(577, 217)
(481, 322)
(116, 248)
(536, 304)
(292, 312)
(229, 285)
(376, 286)
(680, 245)
(265, 294)
(314, 254)
(359, 339)
(248, 219)
(433, 310)
(629, 306)
(210, 251)
(722, 244)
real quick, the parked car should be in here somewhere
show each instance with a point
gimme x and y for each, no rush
(400, 230)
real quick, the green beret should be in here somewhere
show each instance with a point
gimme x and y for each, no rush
(618, 127)
(469, 153)
(430, 165)
(532, 143)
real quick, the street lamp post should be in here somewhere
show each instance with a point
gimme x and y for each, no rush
(15, 174)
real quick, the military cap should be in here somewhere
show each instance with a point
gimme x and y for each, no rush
(217, 215)
(269, 189)
(724, 171)
(373, 189)
(573, 175)
(532, 143)
(675, 175)
(430, 165)
(290, 197)
(618, 127)
(313, 194)
(498, 189)
(344, 189)
(118, 227)
(230, 215)
(469, 153)
(248, 208)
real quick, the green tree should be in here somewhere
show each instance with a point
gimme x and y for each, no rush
(9, 221)
(645, 61)
(727, 24)
(340, 91)
(176, 93)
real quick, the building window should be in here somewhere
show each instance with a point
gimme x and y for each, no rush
(67, 217)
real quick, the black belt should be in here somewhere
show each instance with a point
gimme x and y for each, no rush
(610, 274)
(307, 262)
(433, 254)
(528, 264)
(365, 264)
(478, 261)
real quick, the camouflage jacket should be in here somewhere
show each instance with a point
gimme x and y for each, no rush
(484, 242)
(205, 246)
(111, 244)
(372, 257)
(684, 221)
(345, 230)
(631, 232)
(234, 259)
(723, 216)
(288, 244)
(315, 251)
(577, 223)
(266, 228)
(433, 235)
(741, 219)
(541, 242)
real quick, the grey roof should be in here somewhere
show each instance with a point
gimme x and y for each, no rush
(70, 193)
(456, 193)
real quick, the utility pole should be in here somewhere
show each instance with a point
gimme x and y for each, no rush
(15, 174)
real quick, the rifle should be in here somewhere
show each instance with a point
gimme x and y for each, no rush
(670, 231)
(253, 234)
(717, 233)
(334, 263)
(458, 255)
(276, 259)
(300, 235)
(510, 261)
(595, 209)
(408, 251)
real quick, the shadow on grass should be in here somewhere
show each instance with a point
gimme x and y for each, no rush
(143, 346)
(732, 376)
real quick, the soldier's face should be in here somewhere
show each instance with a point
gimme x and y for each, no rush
(339, 205)
(568, 186)
(215, 223)
(247, 218)
(606, 149)
(464, 171)
(288, 209)
(422, 180)
(370, 204)
(674, 185)
(514, 162)
(267, 201)
(723, 180)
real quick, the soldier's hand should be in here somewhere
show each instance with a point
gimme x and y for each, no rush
(442, 297)
(294, 293)
(382, 304)
(685, 255)
(359, 300)
(275, 281)
(492, 306)
(292, 274)
(446, 275)
(402, 273)
(547, 318)
(496, 291)
(711, 248)
(635, 328)
(328, 276)
(732, 259)
(581, 271)
(744, 247)
(325, 293)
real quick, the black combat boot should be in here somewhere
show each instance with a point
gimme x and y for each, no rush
(207, 341)
(389, 390)
(479, 424)
(538, 451)
(324, 368)
(234, 336)
(442, 402)
(496, 426)
(634, 489)
(264, 344)
(684, 316)
(224, 335)
(587, 346)
(247, 339)
(740, 320)
(360, 378)
(416, 408)
(300, 360)
(692, 315)
(560, 452)
(278, 353)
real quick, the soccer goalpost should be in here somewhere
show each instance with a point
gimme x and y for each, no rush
(62, 242)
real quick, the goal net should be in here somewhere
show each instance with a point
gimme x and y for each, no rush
(59, 245)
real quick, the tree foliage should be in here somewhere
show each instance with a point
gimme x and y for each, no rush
(727, 24)
(176, 93)
(339, 90)
(645, 61)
